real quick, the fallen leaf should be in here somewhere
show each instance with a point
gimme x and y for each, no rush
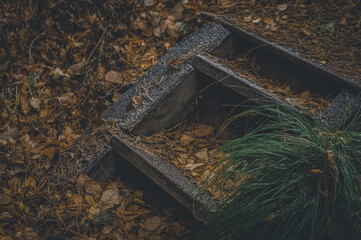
(113, 77)
(186, 139)
(93, 211)
(90, 200)
(267, 20)
(81, 181)
(35, 103)
(152, 223)
(191, 166)
(173, 28)
(29, 182)
(14, 184)
(149, 3)
(110, 198)
(257, 20)
(93, 188)
(177, 10)
(30, 234)
(57, 73)
(343, 22)
(248, 18)
(5, 216)
(116, 96)
(282, 7)
(202, 154)
(273, 26)
(202, 130)
(107, 229)
(48, 153)
(10, 133)
(67, 99)
(317, 172)
(5, 199)
(77, 199)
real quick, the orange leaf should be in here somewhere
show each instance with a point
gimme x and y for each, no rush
(48, 153)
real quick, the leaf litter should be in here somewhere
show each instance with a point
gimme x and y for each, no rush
(61, 64)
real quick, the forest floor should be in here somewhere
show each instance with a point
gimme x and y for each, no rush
(63, 62)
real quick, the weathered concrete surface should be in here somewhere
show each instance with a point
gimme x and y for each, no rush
(161, 79)
(166, 175)
(341, 110)
(289, 55)
(220, 73)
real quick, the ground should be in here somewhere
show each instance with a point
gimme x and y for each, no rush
(63, 62)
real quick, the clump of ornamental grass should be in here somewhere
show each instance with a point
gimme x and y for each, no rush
(292, 179)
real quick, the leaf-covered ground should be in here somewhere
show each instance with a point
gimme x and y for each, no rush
(63, 62)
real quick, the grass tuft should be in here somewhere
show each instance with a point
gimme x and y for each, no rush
(292, 179)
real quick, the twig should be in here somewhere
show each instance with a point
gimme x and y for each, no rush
(100, 39)
(31, 45)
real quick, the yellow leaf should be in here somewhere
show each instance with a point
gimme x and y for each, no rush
(29, 182)
(317, 172)
(344, 22)
(267, 20)
(90, 200)
(282, 7)
(48, 153)
(331, 156)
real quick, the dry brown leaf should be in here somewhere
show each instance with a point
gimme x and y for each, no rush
(116, 96)
(202, 130)
(186, 139)
(202, 154)
(35, 103)
(152, 223)
(67, 99)
(248, 18)
(77, 199)
(48, 153)
(191, 166)
(14, 184)
(5, 216)
(173, 28)
(5, 199)
(80, 182)
(282, 7)
(93, 188)
(343, 22)
(149, 3)
(267, 20)
(107, 229)
(29, 182)
(177, 11)
(257, 20)
(10, 133)
(110, 198)
(93, 211)
(113, 77)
